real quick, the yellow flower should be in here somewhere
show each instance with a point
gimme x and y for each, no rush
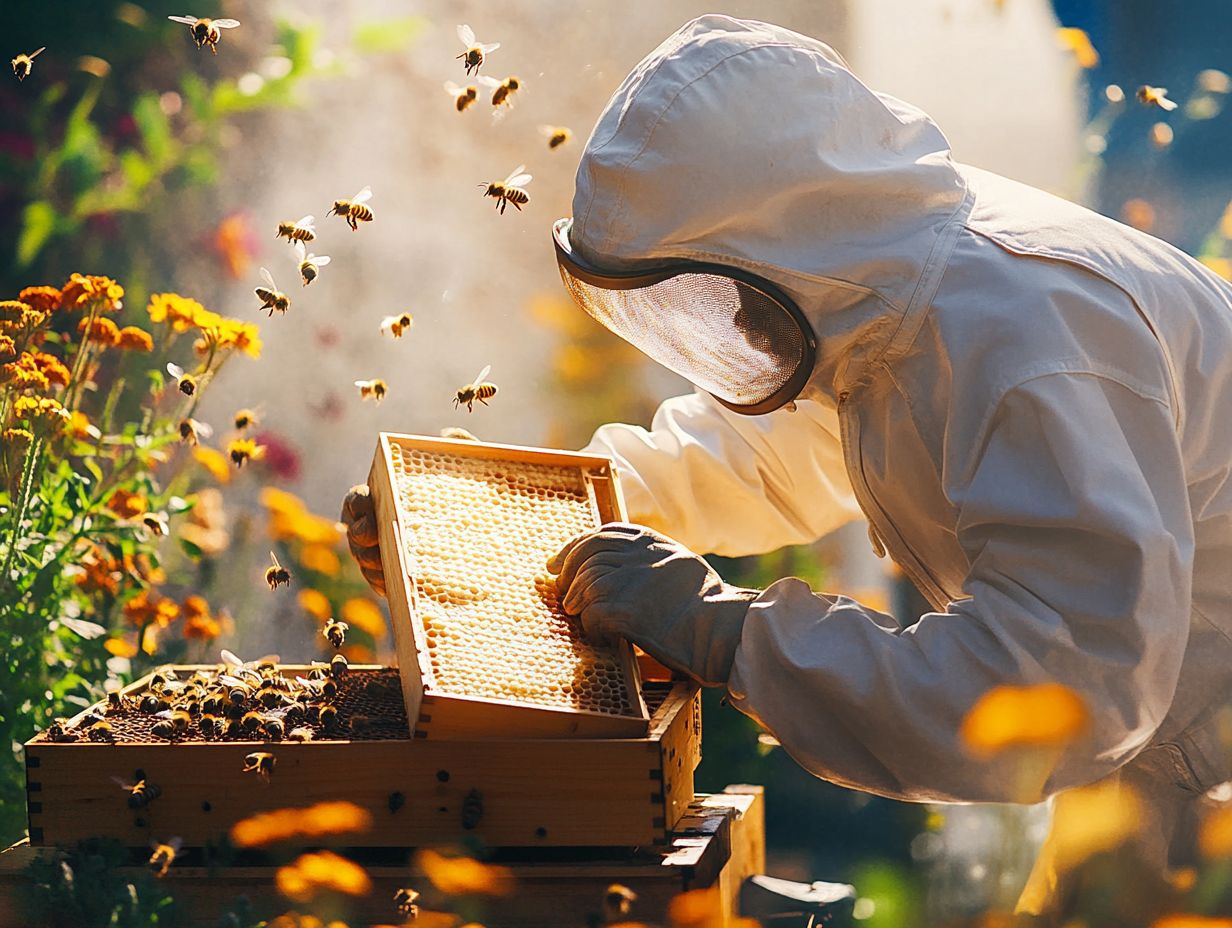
(82, 292)
(461, 876)
(132, 338)
(310, 873)
(79, 426)
(231, 333)
(16, 316)
(52, 367)
(290, 519)
(213, 461)
(1078, 42)
(42, 410)
(121, 647)
(102, 330)
(15, 437)
(1215, 834)
(1048, 714)
(365, 615)
(320, 558)
(317, 821)
(144, 609)
(23, 374)
(242, 450)
(178, 310)
(1192, 921)
(8, 347)
(315, 604)
(1221, 266)
(44, 299)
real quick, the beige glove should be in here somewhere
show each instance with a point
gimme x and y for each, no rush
(360, 520)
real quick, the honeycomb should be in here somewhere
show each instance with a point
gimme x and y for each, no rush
(478, 534)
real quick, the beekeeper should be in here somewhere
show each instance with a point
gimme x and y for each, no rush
(1030, 404)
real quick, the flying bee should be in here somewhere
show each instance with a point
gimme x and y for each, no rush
(463, 97)
(103, 733)
(404, 899)
(309, 265)
(271, 297)
(205, 31)
(479, 389)
(245, 419)
(302, 230)
(163, 856)
(192, 431)
(355, 210)
(335, 633)
(261, 763)
(617, 900)
(338, 666)
(556, 136)
(375, 388)
(140, 794)
(185, 383)
(276, 573)
(396, 325)
(509, 190)
(156, 522)
(22, 64)
(502, 91)
(475, 52)
(1155, 96)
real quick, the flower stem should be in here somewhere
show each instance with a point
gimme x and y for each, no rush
(29, 466)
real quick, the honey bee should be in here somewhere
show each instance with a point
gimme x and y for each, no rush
(302, 230)
(23, 64)
(184, 382)
(462, 96)
(295, 713)
(617, 901)
(152, 703)
(1155, 96)
(328, 717)
(404, 900)
(273, 729)
(93, 717)
(338, 666)
(475, 52)
(140, 794)
(396, 325)
(171, 723)
(58, 731)
(117, 701)
(103, 733)
(211, 725)
(478, 389)
(163, 856)
(556, 136)
(335, 633)
(309, 265)
(271, 297)
(502, 91)
(374, 388)
(458, 433)
(251, 722)
(355, 210)
(319, 689)
(276, 573)
(269, 696)
(299, 734)
(509, 190)
(205, 31)
(261, 763)
(245, 419)
(233, 729)
(156, 522)
(192, 431)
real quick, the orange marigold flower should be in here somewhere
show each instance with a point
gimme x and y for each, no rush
(79, 426)
(82, 292)
(14, 437)
(132, 338)
(16, 316)
(364, 614)
(315, 604)
(317, 821)
(144, 609)
(324, 870)
(102, 330)
(8, 347)
(121, 647)
(38, 407)
(462, 876)
(242, 450)
(235, 241)
(23, 374)
(127, 505)
(320, 558)
(44, 299)
(181, 312)
(213, 461)
(290, 519)
(1044, 715)
(202, 628)
(99, 573)
(52, 367)
(226, 333)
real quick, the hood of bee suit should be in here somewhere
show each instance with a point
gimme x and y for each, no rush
(741, 143)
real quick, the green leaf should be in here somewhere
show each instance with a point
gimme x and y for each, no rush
(38, 223)
(155, 130)
(386, 35)
(138, 171)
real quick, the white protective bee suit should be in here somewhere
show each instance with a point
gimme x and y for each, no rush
(1030, 403)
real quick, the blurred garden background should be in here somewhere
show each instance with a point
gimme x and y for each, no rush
(131, 154)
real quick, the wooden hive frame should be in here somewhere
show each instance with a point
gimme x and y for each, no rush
(436, 712)
(529, 793)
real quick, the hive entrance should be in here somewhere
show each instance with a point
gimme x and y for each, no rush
(476, 534)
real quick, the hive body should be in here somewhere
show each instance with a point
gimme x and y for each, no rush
(467, 530)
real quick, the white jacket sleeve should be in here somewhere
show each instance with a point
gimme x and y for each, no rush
(722, 483)
(1075, 518)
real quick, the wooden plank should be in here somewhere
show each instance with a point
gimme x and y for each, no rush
(680, 742)
(747, 843)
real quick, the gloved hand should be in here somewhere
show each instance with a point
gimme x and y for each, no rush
(630, 581)
(360, 519)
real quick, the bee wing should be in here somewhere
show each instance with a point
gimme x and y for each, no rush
(490, 83)
(363, 196)
(467, 35)
(388, 323)
(176, 843)
(547, 131)
(175, 370)
(306, 222)
(1165, 104)
(274, 559)
(489, 47)
(482, 374)
(34, 55)
(304, 682)
(453, 89)
(321, 260)
(226, 23)
(165, 714)
(518, 180)
(203, 428)
(515, 173)
(231, 681)
(186, 20)
(229, 657)
(301, 252)
(269, 659)
(268, 278)
(120, 783)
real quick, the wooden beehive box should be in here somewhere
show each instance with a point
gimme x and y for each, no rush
(499, 792)
(484, 648)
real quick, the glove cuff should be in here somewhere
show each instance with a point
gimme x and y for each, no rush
(718, 632)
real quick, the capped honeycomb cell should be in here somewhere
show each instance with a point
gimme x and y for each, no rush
(477, 531)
